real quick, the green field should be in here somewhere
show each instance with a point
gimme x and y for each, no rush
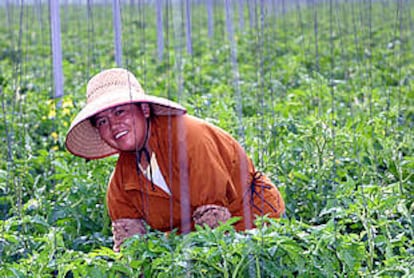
(321, 96)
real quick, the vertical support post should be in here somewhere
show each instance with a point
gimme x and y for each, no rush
(235, 67)
(210, 19)
(188, 27)
(160, 36)
(116, 14)
(56, 47)
(241, 15)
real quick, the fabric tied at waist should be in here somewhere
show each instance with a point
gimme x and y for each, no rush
(256, 190)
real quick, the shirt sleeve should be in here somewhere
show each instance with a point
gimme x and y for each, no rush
(210, 166)
(121, 202)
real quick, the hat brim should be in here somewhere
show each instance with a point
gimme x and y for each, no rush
(84, 140)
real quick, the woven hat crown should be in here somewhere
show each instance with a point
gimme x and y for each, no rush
(111, 80)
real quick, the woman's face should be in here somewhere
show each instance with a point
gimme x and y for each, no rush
(122, 127)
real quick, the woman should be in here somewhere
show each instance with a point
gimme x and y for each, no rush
(174, 170)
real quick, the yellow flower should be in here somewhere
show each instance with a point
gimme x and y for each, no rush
(52, 114)
(67, 103)
(65, 111)
(54, 135)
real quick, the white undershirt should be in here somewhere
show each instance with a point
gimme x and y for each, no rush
(157, 177)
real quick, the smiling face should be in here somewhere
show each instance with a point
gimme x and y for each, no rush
(123, 127)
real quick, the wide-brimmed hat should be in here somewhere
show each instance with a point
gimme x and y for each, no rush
(108, 89)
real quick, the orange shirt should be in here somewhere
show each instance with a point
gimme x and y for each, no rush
(201, 164)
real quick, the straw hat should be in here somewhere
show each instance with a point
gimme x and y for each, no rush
(105, 90)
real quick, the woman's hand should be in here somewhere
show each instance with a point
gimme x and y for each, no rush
(125, 228)
(212, 215)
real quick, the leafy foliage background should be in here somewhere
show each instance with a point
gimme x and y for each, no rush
(322, 100)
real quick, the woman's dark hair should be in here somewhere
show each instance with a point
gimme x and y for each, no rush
(92, 119)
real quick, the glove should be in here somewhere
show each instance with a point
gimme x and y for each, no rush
(212, 215)
(125, 228)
